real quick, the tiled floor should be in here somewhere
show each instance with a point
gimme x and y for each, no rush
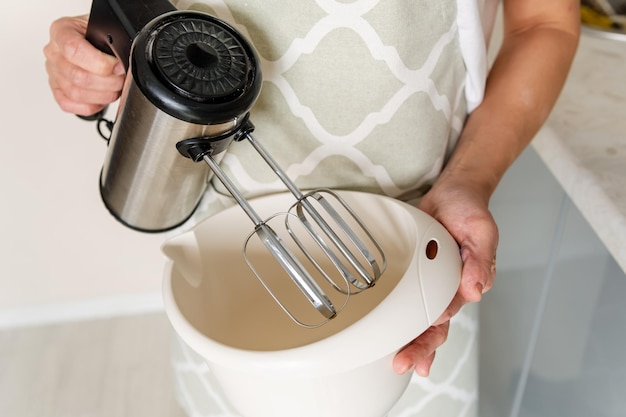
(117, 367)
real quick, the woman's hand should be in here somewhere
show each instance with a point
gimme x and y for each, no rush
(465, 215)
(82, 78)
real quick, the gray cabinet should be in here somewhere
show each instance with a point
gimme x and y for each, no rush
(553, 328)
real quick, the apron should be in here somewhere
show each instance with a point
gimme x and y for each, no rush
(364, 95)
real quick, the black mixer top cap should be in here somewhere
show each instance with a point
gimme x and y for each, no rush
(196, 68)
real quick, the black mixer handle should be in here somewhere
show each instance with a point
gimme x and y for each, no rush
(113, 24)
(112, 27)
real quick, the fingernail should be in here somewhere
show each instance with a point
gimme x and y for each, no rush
(401, 369)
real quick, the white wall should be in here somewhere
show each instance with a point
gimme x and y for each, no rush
(61, 253)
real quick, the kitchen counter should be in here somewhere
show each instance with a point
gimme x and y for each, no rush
(584, 141)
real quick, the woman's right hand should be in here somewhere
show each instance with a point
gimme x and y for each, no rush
(82, 78)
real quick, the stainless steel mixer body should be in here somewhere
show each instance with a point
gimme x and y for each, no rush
(189, 75)
(145, 183)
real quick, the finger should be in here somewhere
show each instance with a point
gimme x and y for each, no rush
(75, 107)
(420, 349)
(83, 54)
(478, 251)
(455, 306)
(67, 75)
(68, 34)
(478, 274)
(423, 368)
(78, 100)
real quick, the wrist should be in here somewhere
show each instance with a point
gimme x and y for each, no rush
(462, 180)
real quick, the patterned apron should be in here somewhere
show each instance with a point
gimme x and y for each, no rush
(363, 95)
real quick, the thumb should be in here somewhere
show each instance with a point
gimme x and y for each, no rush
(479, 270)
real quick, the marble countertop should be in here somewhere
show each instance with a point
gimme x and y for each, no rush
(584, 141)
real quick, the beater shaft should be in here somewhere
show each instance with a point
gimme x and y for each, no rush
(287, 260)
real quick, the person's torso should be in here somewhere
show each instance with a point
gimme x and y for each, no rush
(364, 95)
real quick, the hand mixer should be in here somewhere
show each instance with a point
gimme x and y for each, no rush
(191, 82)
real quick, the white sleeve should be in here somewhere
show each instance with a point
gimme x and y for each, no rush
(475, 20)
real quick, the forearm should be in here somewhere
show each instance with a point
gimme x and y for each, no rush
(522, 87)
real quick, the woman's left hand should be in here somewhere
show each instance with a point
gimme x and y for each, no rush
(466, 216)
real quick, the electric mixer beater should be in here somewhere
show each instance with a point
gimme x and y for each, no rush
(191, 82)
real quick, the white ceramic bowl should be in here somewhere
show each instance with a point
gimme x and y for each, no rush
(270, 367)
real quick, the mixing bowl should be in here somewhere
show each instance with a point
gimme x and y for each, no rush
(270, 367)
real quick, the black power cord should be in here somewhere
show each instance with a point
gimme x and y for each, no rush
(102, 123)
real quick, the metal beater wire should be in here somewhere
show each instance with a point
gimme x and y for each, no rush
(304, 203)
